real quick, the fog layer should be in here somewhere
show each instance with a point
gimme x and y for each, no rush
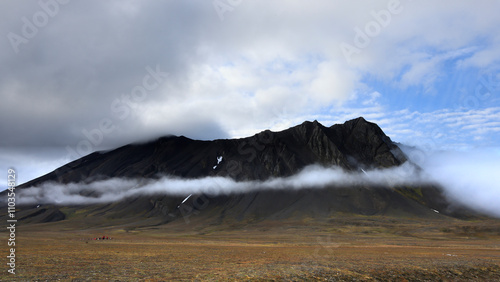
(470, 178)
(117, 189)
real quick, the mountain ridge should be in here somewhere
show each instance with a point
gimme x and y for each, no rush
(353, 146)
(336, 145)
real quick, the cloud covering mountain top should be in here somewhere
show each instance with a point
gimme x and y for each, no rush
(239, 67)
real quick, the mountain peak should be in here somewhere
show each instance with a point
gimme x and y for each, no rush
(314, 123)
(357, 121)
(361, 124)
(360, 119)
(355, 143)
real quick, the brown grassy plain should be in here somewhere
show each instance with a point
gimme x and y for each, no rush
(352, 249)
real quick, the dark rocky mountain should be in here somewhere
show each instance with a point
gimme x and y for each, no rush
(357, 144)
(352, 145)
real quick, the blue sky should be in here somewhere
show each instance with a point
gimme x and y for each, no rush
(76, 76)
(460, 110)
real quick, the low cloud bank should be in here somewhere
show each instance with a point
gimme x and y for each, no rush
(470, 178)
(116, 189)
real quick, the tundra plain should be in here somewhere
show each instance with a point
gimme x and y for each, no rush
(347, 247)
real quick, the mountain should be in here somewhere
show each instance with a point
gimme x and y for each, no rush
(354, 146)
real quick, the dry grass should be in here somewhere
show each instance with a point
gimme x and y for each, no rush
(354, 249)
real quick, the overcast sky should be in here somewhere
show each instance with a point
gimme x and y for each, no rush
(79, 76)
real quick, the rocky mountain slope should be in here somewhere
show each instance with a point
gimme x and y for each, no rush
(355, 145)
(352, 145)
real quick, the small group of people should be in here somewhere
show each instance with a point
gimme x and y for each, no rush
(102, 238)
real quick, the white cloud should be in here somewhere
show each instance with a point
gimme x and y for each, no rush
(331, 84)
(470, 178)
(288, 55)
(116, 189)
(372, 100)
(269, 64)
